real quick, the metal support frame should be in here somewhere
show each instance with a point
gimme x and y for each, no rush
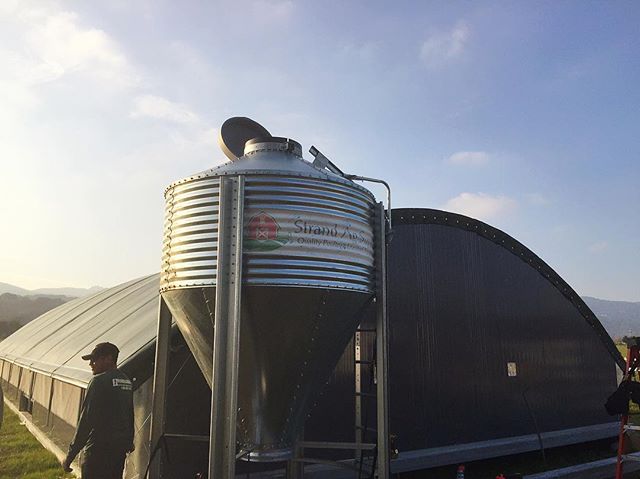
(160, 386)
(50, 403)
(357, 371)
(226, 337)
(381, 376)
(382, 344)
(295, 466)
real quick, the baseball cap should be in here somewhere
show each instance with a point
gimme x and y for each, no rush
(102, 349)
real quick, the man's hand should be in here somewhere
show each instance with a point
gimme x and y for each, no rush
(66, 464)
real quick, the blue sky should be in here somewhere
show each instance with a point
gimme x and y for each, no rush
(523, 114)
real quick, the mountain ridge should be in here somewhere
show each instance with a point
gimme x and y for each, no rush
(62, 291)
(18, 306)
(619, 318)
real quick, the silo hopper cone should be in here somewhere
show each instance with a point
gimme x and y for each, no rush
(291, 339)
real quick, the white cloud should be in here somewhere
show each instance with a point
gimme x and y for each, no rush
(56, 44)
(162, 109)
(598, 246)
(471, 158)
(39, 45)
(443, 47)
(481, 205)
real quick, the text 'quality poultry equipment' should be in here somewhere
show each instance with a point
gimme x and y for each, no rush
(267, 263)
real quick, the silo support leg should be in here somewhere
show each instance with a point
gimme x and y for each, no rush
(160, 380)
(295, 467)
(382, 340)
(226, 338)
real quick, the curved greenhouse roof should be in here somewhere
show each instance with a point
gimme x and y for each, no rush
(466, 301)
(438, 218)
(53, 343)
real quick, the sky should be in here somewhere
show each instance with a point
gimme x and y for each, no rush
(525, 115)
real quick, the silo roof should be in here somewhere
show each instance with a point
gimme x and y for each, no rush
(125, 315)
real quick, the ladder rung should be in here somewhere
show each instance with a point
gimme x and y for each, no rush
(369, 429)
(364, 361)
(368, 395)
(365, 330)
(632, 427)
(631, 458)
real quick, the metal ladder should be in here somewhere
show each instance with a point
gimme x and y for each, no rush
(362, 393)
(633, 361)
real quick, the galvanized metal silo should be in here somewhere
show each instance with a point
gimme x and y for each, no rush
(305, 260)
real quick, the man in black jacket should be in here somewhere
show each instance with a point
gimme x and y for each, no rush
(105, 427)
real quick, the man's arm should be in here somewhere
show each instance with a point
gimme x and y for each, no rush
(85, 424)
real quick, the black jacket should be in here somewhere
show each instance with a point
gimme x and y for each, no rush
(106, 419)
(618, 402)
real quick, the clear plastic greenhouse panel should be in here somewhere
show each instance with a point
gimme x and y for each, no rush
(308, 271)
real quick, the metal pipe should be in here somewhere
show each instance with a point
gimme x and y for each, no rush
(375, 180)
(382, 345)
(357, 367)
(337, 445)
(295, 466)
(187, 437)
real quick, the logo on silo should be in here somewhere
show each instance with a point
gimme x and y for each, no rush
(263, 233)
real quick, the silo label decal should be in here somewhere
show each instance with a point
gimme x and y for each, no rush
(313, 235)
(263, 233)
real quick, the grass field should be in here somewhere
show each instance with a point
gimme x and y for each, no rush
(21, 456)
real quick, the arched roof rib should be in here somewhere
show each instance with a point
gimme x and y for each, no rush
(500, 238)
(53, 343)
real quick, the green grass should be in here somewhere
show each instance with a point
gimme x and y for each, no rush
(22, 456)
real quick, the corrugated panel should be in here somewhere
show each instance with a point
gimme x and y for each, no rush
(462, 307)
(53, 344)
(318, 233)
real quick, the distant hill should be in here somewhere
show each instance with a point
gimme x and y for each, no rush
(9, 288)
(73, 292)
(619, 318)
(18, 306)
(17, 310)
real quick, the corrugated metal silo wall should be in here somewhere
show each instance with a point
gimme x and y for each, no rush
(461, 307)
